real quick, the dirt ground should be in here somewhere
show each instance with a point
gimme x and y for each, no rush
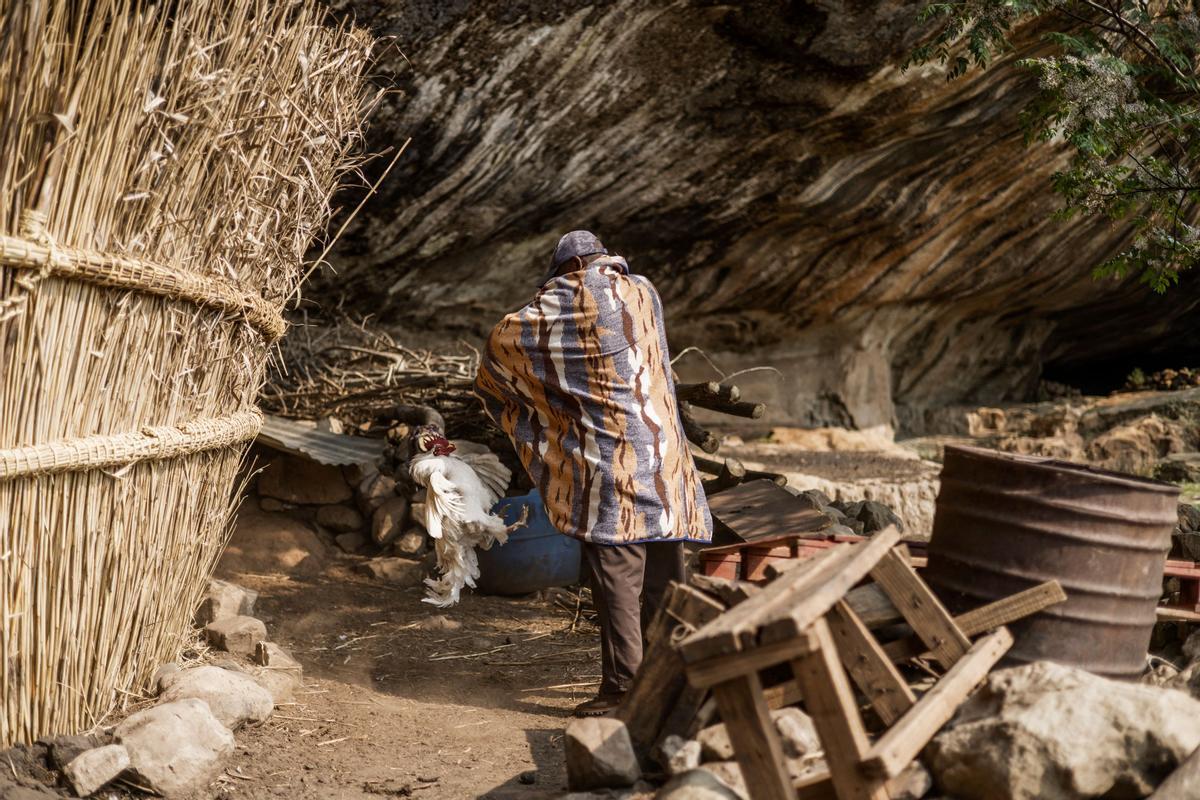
(391, 710)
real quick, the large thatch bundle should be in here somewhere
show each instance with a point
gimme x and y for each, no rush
(163, 169)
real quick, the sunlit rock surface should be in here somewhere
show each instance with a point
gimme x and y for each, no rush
(881, 236)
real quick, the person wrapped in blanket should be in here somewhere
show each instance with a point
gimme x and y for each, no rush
(580, 380)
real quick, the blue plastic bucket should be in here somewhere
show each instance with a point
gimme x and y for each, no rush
(535, 557)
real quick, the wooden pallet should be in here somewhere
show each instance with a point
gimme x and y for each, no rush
(803, 619)
(752, 561)
(1188, 607)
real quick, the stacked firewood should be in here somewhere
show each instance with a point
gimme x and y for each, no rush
(723, 398)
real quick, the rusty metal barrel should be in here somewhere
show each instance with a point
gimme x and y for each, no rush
(1007, 522)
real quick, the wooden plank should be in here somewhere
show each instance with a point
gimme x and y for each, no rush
(722, 668)
(873, 606)
(756, 743)
(1177, 568)
(1011, 608)
(819, 786)
(904, 740)
(682, 719)
(868, 665)
(730, 591)
(1183, 783)
(724, 635)
(1189, 593)
(818, 590)
(660, 684)
(787, 606)
(782, 695)
(831, 704)
(697, 609)
(760, 509)
(988, 617)
(920, 606)
(663, 623)
(1176, 614)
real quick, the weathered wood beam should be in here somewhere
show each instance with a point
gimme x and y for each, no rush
(903, 741)
(921, 608)
(660, 685)
(756, 743)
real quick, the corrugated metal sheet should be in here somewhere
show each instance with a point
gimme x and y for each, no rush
(323, 447)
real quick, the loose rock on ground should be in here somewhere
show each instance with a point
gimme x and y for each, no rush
(239, 635)
(175, 748)
(233, 698)
(224, 599)
(1049, 732)
(600, 754)
(96, 768)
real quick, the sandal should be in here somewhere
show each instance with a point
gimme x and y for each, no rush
(600, 705)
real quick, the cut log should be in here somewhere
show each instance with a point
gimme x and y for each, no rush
(712, 466)
(695, 392)
(733, 409)
(732, 473)
(696, 434)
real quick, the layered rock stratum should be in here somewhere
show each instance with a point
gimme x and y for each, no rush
(883, 237)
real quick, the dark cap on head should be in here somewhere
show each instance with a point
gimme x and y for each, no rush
(575, 243)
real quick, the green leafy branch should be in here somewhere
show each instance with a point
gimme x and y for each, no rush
(1122, 91)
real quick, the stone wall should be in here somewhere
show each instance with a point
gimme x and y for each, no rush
(881, 235)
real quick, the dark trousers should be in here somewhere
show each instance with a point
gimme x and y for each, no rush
(621, 576)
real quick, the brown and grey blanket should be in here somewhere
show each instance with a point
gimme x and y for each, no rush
(580, 380)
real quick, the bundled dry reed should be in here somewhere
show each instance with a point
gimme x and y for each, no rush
(163, 170)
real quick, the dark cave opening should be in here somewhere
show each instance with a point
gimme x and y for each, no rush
(1109, 375)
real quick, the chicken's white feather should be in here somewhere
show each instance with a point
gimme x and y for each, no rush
(460, 492)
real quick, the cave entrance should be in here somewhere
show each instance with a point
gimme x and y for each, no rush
(1111, 375)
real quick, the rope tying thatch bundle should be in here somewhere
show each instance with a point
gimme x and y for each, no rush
(153, 442)
(33, 227)
(34, 250)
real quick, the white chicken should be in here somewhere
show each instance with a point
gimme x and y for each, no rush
(463, 481)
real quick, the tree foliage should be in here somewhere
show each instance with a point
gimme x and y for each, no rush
(1122, 90)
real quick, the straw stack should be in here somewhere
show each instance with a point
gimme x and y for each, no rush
(162, 173)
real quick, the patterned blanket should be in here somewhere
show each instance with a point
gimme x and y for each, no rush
(580, 380)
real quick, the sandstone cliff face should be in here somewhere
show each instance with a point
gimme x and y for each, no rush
(881, 236)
